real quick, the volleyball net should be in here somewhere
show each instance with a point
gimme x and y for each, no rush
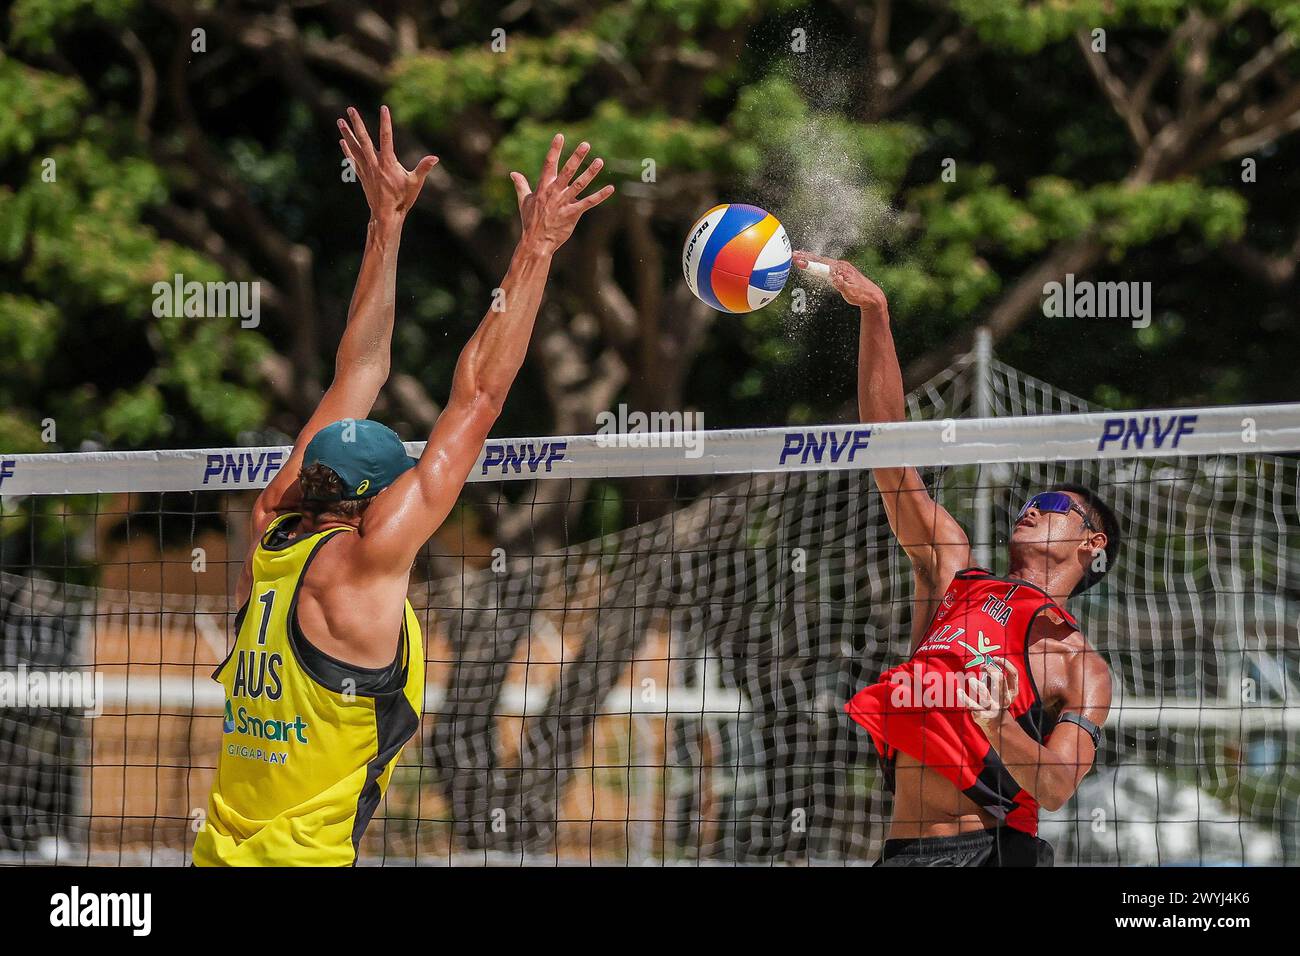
(639, 646)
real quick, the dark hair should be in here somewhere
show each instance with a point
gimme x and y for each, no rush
(1102, 517)
(322, 493)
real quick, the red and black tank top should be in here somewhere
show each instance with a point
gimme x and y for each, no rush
(913, 708)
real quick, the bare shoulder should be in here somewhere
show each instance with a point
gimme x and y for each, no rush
(1054, 634)
(1084, 656)
(1073, 652)
(350, 613)
(1075, 675)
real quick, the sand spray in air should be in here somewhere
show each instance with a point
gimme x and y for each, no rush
(826, 197)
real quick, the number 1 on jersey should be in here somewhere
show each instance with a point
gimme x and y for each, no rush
(267, 600)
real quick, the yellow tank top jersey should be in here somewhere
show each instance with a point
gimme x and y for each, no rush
(306, 752)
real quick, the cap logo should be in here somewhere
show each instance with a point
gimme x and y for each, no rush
(361, 488)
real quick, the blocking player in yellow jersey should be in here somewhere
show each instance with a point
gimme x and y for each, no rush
(325, 682)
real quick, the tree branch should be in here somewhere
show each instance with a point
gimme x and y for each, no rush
(148, 81)
(1120, 97)
(941, 54)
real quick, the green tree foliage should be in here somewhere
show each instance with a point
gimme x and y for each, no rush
(81, 262)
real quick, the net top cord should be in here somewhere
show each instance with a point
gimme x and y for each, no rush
(1110, 435)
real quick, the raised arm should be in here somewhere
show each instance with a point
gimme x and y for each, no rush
(402, 518)
(362, 362)
(932, 539)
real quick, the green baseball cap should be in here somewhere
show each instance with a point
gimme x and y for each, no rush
(367, 456)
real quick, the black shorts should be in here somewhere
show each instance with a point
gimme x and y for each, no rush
(1001, 846)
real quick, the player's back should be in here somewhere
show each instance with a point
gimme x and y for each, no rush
(351, 614)
(309, 740)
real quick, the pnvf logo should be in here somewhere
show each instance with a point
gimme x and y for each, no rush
(1133, 430)
(505, 456)
(231, 468)
(826, 445)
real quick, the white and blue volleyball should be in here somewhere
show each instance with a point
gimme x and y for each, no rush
(736, 258)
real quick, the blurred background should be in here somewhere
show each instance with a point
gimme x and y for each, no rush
(963, 154)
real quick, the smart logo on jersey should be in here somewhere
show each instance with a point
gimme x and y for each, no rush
(1136, 430)
(830, 445)
(247, 724)
(236, 467)
(505, 456)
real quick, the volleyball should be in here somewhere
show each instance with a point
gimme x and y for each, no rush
(736, 257)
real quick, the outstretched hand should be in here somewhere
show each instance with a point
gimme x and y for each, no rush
(550, 212)
(390, 188)
(856, 288)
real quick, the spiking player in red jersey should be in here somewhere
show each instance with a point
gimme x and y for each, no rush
(998, 709)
